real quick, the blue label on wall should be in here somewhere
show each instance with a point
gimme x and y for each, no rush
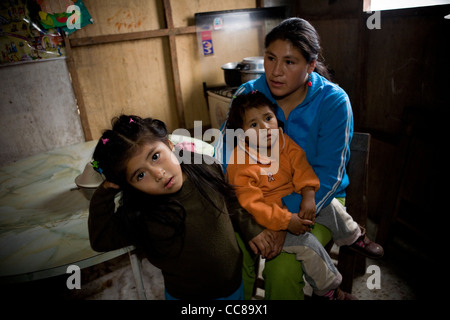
(207, 43)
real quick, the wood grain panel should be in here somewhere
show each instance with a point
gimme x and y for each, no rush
(118, 16)
(130, 77)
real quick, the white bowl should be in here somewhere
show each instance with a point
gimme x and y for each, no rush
(88, 181)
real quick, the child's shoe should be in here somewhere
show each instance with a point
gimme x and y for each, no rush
(366, 247)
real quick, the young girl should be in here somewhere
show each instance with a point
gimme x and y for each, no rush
(260, 188)
(181, 215)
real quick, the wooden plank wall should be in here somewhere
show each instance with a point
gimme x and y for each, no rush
(406, 109)
(397, 80)
(140, 57)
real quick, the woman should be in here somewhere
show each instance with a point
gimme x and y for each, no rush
(317, 115)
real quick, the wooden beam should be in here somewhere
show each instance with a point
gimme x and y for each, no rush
(140, 35)
(174, 62)
(361, 77)
(77, 90)
(170, 31)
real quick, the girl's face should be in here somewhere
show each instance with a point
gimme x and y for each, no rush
(261, 120)
(155, 170)
(286, 69)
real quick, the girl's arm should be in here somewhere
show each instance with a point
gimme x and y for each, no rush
(242, 221)
(251, 198)
(270, 216)
(259, 239)
(308, 204)
(103, 224)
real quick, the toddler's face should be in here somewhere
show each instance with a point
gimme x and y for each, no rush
(261, 121)
(155, 170)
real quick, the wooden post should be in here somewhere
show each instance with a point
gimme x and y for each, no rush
(77, 90)
(174, 62)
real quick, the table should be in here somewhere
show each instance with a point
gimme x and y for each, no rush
(43, 217)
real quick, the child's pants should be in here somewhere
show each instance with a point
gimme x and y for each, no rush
(283, 274)
(317, 266)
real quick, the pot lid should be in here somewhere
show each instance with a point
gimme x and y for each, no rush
(254, 64)
(258, 59)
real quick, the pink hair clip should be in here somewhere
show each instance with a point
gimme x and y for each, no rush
(131, 120)
(254, 91)
(105, 140)
(185, 145)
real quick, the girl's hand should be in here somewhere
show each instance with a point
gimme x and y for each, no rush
(110, 185)
(308, 205)
(298, 225)
(308, 210)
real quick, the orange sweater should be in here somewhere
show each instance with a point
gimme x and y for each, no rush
(260, 194)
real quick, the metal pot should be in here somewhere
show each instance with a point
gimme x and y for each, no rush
(249, 68)
(253, 68)
(254, 63)
(250, 75)
(232, 74)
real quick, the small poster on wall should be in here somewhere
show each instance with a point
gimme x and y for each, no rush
(207, 44)
(65, 14)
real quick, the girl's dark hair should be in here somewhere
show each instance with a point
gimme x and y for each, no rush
(138, 210)
(304, 37)
(244, 102)
(127, 136)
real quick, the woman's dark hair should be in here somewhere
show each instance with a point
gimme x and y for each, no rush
(243, 102)
(304, 37)
(139, 210)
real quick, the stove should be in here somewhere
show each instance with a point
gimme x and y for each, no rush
(226, 92)
(219, 99)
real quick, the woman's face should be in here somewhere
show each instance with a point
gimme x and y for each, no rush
(155, 170)
(286, 69)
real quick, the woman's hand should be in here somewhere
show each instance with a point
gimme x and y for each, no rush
(278, 243)
(268, 243)
(262, 243)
